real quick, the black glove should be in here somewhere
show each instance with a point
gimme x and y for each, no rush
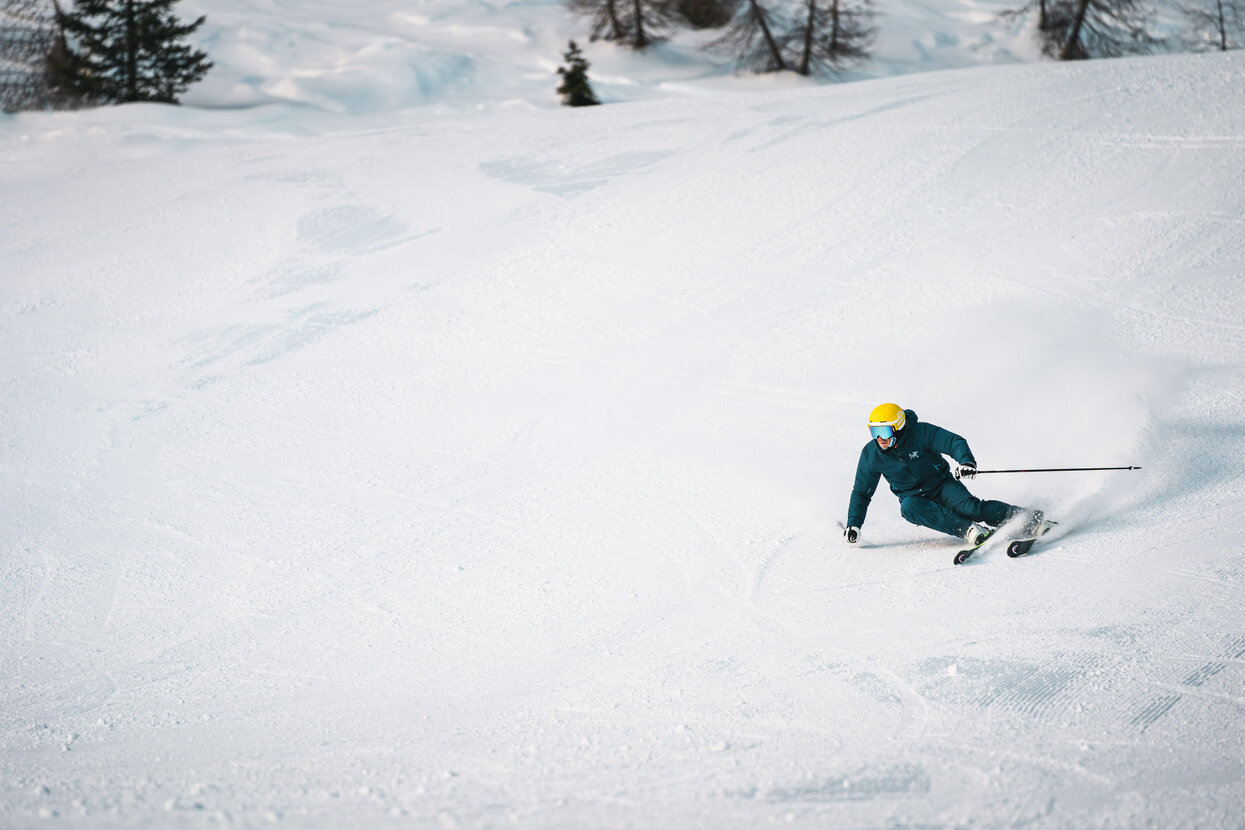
(851, 534)
(965, 471)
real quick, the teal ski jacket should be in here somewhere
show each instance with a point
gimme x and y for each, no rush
(913, 466)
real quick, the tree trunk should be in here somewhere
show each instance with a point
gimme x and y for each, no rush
(1223, 31)
(131, 52)
(617, 33)
(769, 37)
(1074, 36)
(836, 29)
(641, 39)
(808, 39)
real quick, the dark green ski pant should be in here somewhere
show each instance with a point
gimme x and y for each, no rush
(950, 509)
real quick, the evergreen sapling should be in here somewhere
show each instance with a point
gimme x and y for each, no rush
(575, 89)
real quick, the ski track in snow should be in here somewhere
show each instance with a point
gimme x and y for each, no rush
(475, 468)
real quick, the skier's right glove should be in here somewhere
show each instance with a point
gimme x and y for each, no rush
(851, 534)
(965, 471)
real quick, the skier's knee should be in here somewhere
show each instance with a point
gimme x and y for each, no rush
(998, 513)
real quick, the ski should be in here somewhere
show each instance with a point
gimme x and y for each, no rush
(1016, 546)
(1019, 547)
(961, 556)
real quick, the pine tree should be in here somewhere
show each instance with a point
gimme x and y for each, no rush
(637, 23)
(754, 38)
(834, 34)
(1217, 25)
(606, 17)
(1079, 29)
(129, 50)
(575, 89)
(1106, 28)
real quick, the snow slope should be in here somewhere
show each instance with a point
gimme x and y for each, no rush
(481, 468)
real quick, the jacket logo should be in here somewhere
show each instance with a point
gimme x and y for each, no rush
(913, 454)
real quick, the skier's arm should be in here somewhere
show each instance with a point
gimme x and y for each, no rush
(946, 442)
(865, 486)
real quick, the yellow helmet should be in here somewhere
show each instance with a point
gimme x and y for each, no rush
(886, 419)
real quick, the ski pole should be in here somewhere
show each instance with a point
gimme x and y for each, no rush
(1058, 470)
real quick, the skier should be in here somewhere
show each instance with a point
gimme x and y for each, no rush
(910, 454)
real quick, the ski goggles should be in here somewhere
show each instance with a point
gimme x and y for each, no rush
(886, 431)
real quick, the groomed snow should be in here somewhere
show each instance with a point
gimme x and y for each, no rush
(378, 460)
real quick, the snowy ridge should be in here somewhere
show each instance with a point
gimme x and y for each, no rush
(480, 468)
(382, 55)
